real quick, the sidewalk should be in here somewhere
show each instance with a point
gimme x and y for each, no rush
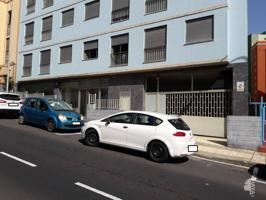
(216, 148)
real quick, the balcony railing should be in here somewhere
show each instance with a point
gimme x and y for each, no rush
(46, 35)
(28, 40)
(120, 15)
(153, 6)
(44, 69)
(155, 54)
(107, 104)
(26, 71)
(120, 58)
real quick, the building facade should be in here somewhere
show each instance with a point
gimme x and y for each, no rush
(177, 57)
(9, 15)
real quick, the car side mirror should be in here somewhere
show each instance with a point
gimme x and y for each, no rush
(107, 122)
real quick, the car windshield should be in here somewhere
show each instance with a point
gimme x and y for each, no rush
(59, 105)
(179, 124)
(11, 97)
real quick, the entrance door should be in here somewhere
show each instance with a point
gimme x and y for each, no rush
(83, 102)
(124, 101)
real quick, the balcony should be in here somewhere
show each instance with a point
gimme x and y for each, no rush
(119, 58)
(120, 15)
(157, 54)
(153, 6)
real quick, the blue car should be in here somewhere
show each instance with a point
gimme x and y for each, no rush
(50, 113)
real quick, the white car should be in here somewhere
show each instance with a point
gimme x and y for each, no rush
(10, 104)
(157, 134)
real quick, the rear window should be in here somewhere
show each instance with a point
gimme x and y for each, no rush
(10, 97)
(179, 124)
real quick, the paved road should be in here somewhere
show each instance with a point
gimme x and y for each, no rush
(67, 169)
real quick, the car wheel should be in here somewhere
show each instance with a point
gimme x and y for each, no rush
(158, 152)
(92, 138)
(50, 126)
(21, 119)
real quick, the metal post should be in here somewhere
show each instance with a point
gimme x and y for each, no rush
(262, 114)
(7, 77)
(157, 94)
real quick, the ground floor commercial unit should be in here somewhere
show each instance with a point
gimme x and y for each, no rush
(203, 94)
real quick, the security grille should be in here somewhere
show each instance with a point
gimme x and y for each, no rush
(215, 103)
(153, 6)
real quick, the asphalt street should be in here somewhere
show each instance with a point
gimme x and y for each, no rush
(35, 164)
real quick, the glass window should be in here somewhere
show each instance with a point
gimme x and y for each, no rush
(120, 10)
(179, 124)
(27, 65)
(153, 6)
(148, 120)
(91, 50)
(41, 105)
(30, 102)
(68, 17)
(10, 97)
(200, 30)
(47, 3)
(92, 10)
(66, 54)
(29, 32)
(122, 118)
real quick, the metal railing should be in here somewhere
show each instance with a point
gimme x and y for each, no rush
(216, 103)
(120, 58)
(107, 104)
(153, 6)
(120, 15)
(155, 54)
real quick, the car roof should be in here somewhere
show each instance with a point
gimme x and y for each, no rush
(154, 114)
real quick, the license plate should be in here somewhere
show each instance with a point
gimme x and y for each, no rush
(76, 123)
(192, 148)
(13, 104)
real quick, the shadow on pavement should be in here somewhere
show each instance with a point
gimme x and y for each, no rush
(135, 153)
(8, 117)
(219, 142)
(261, 171)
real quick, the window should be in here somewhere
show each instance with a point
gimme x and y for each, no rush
(122, 118)
(45, 62)
(91, 50)
(155, 44)
(47, 25)
(66, 54)
(30, 102)
(153, 6)
(41, 105)
(27, 65)
(119, 54)
(142, 119)
(68, 17)
(30, 6)
(9, 23)
(120, 10)
(92, 10)
(47, 3)
(179, 124)
(29, 33)
(199, 30)
(7, 51)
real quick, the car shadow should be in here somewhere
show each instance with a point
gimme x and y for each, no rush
(135, 153)
(261, 171)
(8, 117)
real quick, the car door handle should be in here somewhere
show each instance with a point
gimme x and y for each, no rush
(125, 127)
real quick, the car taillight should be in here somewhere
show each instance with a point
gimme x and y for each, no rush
(2, 101)
(179, 134)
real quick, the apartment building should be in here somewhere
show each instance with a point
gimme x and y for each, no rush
(9, 15)
(181, 57)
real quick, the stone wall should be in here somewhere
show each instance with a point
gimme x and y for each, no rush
(244, 132)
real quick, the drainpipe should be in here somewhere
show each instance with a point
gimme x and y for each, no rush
(158, 94)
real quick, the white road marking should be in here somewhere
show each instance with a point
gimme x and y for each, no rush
(97, 191)
(254, 176)
(18, 159)
(68, 134)
(262, 182)
(219, 162)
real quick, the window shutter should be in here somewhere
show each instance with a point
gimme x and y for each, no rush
(199, 30)
(28, 60)
(155, 37)
(92, 9)
(47, 24)
(120, 4)
(68, 17)
(29, 29)
(45, 57)
(31, 3)
(90, 45)
(66, 54)
(120, 39)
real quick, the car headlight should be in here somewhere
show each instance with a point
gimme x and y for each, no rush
(81, 117)
(62, 118)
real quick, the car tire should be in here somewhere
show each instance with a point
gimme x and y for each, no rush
(91, 138)
(50, 126)
(21, 120)
(158, 152)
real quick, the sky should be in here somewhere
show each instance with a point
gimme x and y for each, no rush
(257, 16)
